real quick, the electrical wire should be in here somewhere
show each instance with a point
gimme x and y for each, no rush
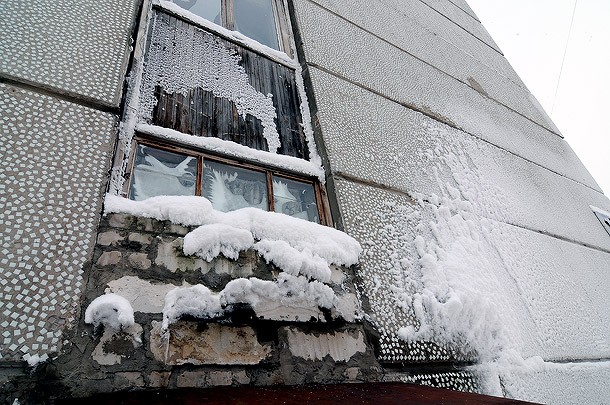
(565, 51)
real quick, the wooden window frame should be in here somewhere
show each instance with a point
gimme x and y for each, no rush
(202, 155)
(227, 19)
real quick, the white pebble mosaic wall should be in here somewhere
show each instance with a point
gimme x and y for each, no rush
(77, 47)
(54, 159)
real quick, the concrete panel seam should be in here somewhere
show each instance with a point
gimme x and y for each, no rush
(470, 33)
(466, 11)
(70, 97)
(353, 179)
(433, 67)
(447, 122)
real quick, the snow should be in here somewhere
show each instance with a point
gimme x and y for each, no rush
(110, 310)
(293, 261)
(208, 241)
(289, 290)
(197, 301)
(233, 149)
(302, 250)
(185, 210)
(310, 243)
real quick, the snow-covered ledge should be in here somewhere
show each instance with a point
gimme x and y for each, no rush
(303, 251)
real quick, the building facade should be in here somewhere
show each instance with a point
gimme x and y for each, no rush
(268, 192)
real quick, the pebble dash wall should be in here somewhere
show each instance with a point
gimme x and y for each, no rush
(62, 66)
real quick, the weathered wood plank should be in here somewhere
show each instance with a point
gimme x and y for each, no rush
(199, 112)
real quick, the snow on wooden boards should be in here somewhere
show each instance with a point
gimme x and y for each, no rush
(200, 84)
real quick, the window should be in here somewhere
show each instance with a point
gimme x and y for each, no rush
(201, 84)
(229, 185)
(603, 217)
(256, 19)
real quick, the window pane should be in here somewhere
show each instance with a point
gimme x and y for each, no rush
(255, 19)
(208, 9)
(158, 172)
(230, 188)
(295, 198)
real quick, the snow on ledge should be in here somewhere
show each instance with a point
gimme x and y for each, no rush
(303, 250)
(292, 291)
(110, 310)
(293, 244)
(234, 149)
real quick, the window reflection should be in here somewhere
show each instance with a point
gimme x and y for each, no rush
(255, 19)
(295, 198)
(159, 172)
(230, 188)
(208, 9)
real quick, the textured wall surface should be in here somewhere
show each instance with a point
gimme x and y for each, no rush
(54, 159)
(473, 212)
(75, 47)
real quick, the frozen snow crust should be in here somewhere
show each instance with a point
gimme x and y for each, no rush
(303, 250)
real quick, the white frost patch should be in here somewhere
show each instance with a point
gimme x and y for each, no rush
(233, 35)
(209, 64)
(110, 310)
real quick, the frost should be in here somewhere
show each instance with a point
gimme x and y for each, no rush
(110, 310)
(211, 66)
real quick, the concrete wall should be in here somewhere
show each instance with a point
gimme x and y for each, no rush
(62, 66)
(440, 159)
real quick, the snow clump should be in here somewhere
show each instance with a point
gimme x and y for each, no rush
(110, 310)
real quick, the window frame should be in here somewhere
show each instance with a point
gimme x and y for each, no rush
(227, 19)
(201, 154)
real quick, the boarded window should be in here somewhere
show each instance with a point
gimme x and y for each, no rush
(200, 84)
